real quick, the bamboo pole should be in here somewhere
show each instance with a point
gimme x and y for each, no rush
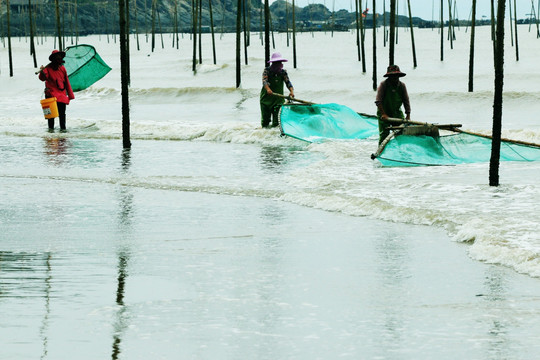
(238, 45)
(450, 36)
(124, 64)
(199, 12)
(58, 31)
(160, 29)
(223, 18)
(442, 31)
(154, 24)
(261, 23)
(397, 22)
(244, 5)
(362, 41)
(294, 33)
(358, 29)
(374, 76)
(287, 20)
(471, 50)
(266, 32)
(511, 25)
(76, 23)
(412, 34)
(516, 30)
(392, 40)
(212, 30)
(32, 46)
(536, 19)
(385, 31)
(498, 96)
(126, 39)
(10, 54)
(137, 26)
(194, 34)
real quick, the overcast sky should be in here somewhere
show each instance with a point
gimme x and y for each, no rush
(426, 8)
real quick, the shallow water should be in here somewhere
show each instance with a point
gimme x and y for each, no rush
(213, 238)
(110, 266)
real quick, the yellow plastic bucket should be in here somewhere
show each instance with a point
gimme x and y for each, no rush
(50, 109)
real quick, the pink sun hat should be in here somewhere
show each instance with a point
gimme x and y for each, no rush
(276, 57)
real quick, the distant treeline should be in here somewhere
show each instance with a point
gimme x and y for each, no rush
(85, 17)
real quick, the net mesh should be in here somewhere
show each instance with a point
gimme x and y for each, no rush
(84, 66)
(406, 150)
(318, 122)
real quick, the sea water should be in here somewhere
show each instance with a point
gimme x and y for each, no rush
(196, 136)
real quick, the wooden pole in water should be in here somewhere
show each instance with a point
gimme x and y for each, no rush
(137, 27)
(199, 11)
(442, 31)
(126, 39)
(244, 10)
(397, 21)
(536, 19)
(374, 77)
(498, 97)
(212, 29)
(471, 51)
(294, 33)
(266, 32)
(58, 31)
(154, 24)
(194, 18)
(124, 75)
(516, 30)
(511, 25)
(392, 39)
(32, 46)
(450, 35)
(238, 45)
(9, 39)
(385, 31)
(358, 30)
(287, 21)
(412, 34)
(362, 41)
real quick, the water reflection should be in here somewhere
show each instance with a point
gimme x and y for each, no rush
(56, 149)
(45, 322)
(121, 320)
(496, 298)
(393, 260)
(272, 158)
(125, 217)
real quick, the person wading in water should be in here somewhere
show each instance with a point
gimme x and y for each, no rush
(57, 85)
(391, 94)
(274, 76)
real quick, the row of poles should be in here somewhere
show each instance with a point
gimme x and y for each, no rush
(497, 25)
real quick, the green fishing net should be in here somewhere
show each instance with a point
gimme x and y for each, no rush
(84, 66)
(462, 148)
(318, 122)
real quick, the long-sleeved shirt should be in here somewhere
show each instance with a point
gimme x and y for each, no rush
(402, 92)
(282, 73)
(57, 83)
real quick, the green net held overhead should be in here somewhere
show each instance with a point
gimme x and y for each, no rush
(318, 122)
(408, 150)
(84, 66)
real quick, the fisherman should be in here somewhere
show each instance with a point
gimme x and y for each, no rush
(274, 76)
(391, 94)
(57, 85)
